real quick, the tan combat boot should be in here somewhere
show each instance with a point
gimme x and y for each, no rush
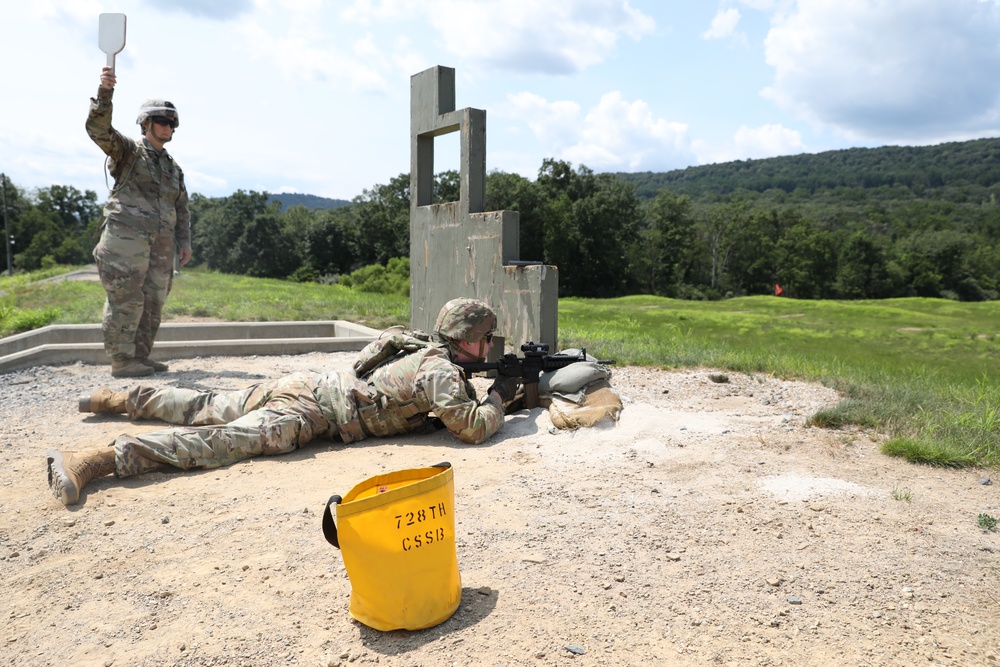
(157, 366)
(103, 399)
(129, 368)
(69, 473)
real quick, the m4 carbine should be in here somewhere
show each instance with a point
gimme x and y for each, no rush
(536, 360)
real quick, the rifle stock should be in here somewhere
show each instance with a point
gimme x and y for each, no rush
(536, 360)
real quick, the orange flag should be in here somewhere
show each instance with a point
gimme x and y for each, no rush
(777, 290)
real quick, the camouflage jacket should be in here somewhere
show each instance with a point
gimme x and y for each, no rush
(397, 397)
(149, 193)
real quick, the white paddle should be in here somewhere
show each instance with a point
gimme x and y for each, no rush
(111, 36)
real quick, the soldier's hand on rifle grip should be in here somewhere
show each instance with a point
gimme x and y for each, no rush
(506, 387)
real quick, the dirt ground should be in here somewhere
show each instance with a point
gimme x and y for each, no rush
(709, 526)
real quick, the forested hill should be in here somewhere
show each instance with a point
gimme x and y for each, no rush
(309, 201)
(852, 224)
(918, 169)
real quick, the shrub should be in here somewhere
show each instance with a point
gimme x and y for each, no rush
(20, 320)
(304, 274)
(391, 279)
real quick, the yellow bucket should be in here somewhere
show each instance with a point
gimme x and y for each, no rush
(396, 532)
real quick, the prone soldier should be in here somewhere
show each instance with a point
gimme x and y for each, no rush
(397, 384)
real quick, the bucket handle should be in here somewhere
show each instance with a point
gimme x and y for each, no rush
(330, 526)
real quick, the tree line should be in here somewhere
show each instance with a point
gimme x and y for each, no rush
(854, 224)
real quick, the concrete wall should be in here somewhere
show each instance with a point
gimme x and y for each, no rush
(457, 249)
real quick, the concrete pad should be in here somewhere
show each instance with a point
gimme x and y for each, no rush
(71, 343)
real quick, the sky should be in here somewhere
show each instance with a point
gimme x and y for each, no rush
(312, 96)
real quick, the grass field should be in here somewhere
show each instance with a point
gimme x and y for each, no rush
(923, 371)
(197, 293)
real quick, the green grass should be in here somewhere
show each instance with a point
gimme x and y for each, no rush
(198, 293)
(18, 315)
(788, 337)
(242, 299)
(921, 371)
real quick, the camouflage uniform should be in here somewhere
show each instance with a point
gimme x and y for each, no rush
(145, 219)
(280, 416)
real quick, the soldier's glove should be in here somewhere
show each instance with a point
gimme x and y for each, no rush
(506, 387)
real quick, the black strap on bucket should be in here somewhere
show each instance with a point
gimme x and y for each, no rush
(330, 526)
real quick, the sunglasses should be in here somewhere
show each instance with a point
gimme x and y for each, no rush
(163, 120)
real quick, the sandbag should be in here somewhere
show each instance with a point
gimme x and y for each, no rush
(598, 403)
(569, 380)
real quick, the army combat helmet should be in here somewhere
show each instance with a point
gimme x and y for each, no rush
(465, 319)
(158, 107)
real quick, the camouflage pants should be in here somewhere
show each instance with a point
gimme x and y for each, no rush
(136, 270)
(221, 428)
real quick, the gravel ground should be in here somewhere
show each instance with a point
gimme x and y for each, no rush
(709, 526)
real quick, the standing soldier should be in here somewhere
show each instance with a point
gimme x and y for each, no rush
(397, 383)
(146, 220)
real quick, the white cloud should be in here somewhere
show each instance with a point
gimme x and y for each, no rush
(531, 36)
(616, 135)
(760, 5)
(198, 181)
(369, 12)
(888, 70)
(554, 124)
(752, 143)
(302, 57)
(83, 12)
(213, 10)
(518, 35)
(767, 141)
(723, 25)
